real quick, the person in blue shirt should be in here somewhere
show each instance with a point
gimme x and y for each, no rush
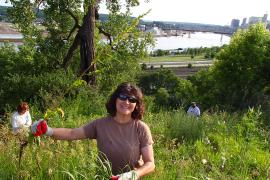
(194, 110)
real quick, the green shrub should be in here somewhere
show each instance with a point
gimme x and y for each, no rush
(144, 66)
(162, 97)
(180, 91)
(162, 78)
(47, 89)
(184, 128)
(250, 126)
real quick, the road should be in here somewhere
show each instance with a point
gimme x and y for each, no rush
(199, 63)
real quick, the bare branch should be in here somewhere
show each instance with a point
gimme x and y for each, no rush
(71, 50)
(71, 32)
(109, 36)
(74, 18)
(76, 25)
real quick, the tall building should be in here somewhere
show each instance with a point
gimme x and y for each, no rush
(235, 23)
(264, 18)
(244, 23)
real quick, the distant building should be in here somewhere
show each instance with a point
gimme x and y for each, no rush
(244, 23)
(235, 23)
(176, 51)
(254, 20)
(264, 18)
(141, 27)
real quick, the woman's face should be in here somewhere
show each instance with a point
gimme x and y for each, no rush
(22, 112)
(125, 104)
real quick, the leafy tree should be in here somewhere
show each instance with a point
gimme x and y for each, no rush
(70, 28)
(34, 71)
(169, 90)
(240, 77)
(205, 90)
(162, 97)
(163, 78)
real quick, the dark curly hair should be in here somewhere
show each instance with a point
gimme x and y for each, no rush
(131, 90)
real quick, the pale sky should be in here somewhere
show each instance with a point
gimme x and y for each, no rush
(219, 12)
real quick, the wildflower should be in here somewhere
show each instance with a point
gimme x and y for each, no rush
(223, 158)
(50, 171)
(61, 112)
(47, 114)
(204, 161)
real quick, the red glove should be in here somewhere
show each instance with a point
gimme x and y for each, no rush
(40, 127)
(114, 178)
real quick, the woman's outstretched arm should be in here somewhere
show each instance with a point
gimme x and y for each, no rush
(68, 134)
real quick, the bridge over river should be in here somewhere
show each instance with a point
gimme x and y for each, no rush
(194, 27)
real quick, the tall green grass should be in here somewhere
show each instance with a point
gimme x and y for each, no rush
(215, 146)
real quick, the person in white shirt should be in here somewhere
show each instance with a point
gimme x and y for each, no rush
(21, 119)
(194, 110)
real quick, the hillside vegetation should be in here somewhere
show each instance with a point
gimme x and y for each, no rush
(229, 141)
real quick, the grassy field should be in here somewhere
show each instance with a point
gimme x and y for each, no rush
(173, 58)
(215, 146)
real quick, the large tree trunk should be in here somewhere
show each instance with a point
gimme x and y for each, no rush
(87, 51)
(85, 38)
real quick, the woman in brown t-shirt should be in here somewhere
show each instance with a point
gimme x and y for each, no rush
(122, 136)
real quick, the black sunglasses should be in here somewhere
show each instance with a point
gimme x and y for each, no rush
(131, 99)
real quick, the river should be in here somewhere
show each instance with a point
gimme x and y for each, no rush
(193, 40)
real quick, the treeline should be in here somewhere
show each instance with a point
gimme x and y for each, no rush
(39, 13)
(41, 16)
(4, 13)
(206, 52)
(3, 10)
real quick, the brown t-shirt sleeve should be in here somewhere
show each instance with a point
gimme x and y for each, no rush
(145, 136)
(90, 130)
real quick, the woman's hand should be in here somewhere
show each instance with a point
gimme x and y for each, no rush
(40, 127)
(131, 175)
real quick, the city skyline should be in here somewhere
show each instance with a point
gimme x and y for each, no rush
(206, 12)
